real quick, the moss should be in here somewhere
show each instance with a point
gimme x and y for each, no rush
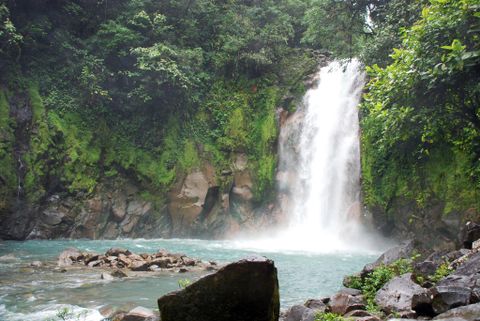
(8, 177)
(189, 158)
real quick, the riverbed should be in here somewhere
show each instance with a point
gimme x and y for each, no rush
(29, 293)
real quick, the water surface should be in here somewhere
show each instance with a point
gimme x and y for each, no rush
(37, 293)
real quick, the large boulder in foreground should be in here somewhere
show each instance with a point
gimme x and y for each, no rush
(240, 291)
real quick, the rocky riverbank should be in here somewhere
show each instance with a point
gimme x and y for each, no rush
(409, 283)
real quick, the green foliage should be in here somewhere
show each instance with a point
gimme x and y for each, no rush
(8, 179)
(442, 271)
(376, 279)
(329, 316)
(189, 158)
(183, 283)
(421, 117)
(66, 314)
(337, 26)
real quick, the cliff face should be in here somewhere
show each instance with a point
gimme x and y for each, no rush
(40, 199)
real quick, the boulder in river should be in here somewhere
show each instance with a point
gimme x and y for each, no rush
(240, 291)
(69, 256)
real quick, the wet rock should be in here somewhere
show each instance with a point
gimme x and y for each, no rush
(402, 251)
(119, 274)
(116, 251)
(317, 305)
(106, 276)
(295, 313)
(7, 257)
(425, 268)
(244, 290)
(422, 304)
(470, 234)
(448, 297)
(368, 318)
(139, 266)
(466, 313)
(67, 257)
(396, 295)
(345, 301)
(470, 266)
(357, 313)
(140, 314)
(182, 270)
(36, 264)
(188, 261)
(94, 263)
(52, 217)
(162, 262)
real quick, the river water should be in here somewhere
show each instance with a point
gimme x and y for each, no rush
(28, 293)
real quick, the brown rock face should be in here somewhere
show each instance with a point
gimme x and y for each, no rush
(240, 291)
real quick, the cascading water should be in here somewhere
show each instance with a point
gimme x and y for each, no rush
(318, 176)
(326, 182)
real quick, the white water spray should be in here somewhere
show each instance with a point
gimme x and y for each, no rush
(319, 167)
(326, 195)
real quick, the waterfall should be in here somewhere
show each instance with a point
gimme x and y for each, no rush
(318, 177)
(325, 171)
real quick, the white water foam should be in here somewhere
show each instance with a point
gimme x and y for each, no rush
(319, 170)
(49, 312)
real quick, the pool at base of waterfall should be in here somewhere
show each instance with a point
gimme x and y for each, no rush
(38, 293)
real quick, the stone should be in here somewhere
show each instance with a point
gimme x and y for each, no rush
(476, 245)
(119, 207)
(357, 313)
(345, 301)
(422, 304)
(116, 251)
(396, 295)
(295, 313)
(314, 304)
(188, 261)
(119, 274)
(470, 233)
(162, 262)
(68, 256)
(240, 291)
(106, 276)
(466, 313)
(139, 266)
(94, 263)
(140, 314)
(36, 264)
(470, 266)
(425, 268)
(52, 217)
(402, 251)
(448, 297)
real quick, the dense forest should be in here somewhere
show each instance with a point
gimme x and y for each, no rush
(149, 90)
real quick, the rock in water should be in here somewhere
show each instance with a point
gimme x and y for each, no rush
(240, 291)
(67, 257)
